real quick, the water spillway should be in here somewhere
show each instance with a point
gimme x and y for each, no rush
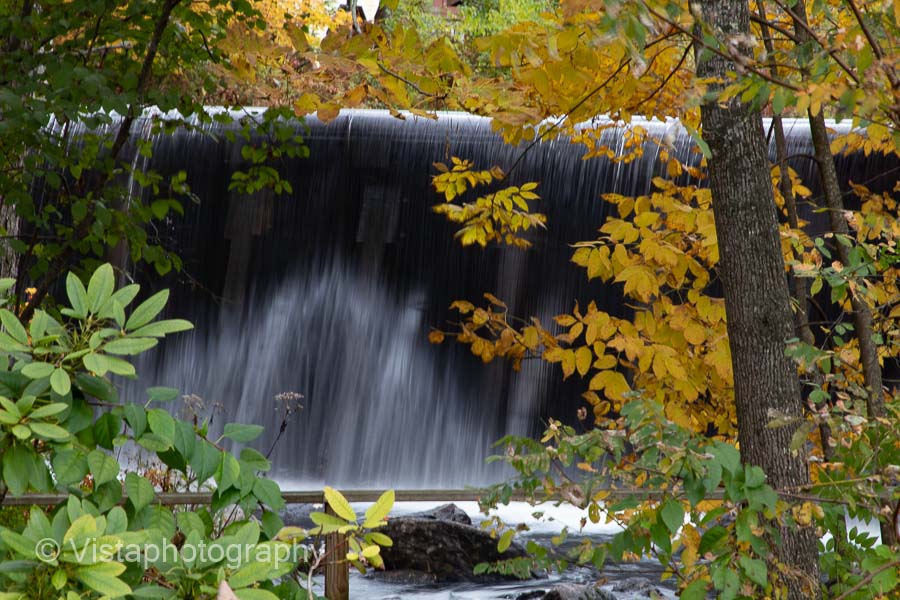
(330, 292)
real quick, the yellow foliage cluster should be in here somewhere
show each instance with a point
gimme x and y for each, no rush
(660, 249)
(286, 18)
(498, 216)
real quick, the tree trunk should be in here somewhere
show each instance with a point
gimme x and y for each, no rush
(863, 321)
(757, 301)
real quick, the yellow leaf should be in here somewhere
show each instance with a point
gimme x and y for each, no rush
(605, 361)
(568, 362)
(462, 306)
(436, 337)
(612, 383)
(694, 333)
(565, 320)
(530, 337)
(328, 112)
(583, 357)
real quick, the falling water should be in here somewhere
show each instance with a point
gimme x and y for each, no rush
(331, 292)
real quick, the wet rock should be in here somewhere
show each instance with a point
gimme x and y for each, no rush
(639, 587)
(404, 577)
(532, 595)
(447, 512)
(568, 591)
(297, 515)
(446, 550)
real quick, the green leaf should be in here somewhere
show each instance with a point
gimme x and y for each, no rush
(185, 438)
(136, 416)
(324, 519)
(696, 590)
(15, 469)
(380, 510)
(23, 432)
(339, 504)
(69, 466)
(754, 477)
(103, 467)
(77, 296)
(148, 310)
(162, 394)
(248, 574)
(18, 542)
(376, 537)
(189, 521)
(119, 366)
(8, 344)
(242, 433)
(162, 424)
(140, 491)
(49, 431)
(205, 460)
(271, 523)
(152, 591)
(100, 287)
(38, 370)
(712, 539)
(129, 346)
(230, 471)
(254, 594)
(13, 327)
(163, 328)
(60, 382)
(103, 578)
(107, 495)
(672, 514)
(96, 363)
(754, 569)
(125, 295)
(107, 428)
(48, 410)
(116, 521)
(154, 443)
(254, 460)
(727, 455)
(268, 492)
(97, 387)
(701, 143)
(505, 540)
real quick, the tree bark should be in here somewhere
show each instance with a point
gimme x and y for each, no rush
(757, 301)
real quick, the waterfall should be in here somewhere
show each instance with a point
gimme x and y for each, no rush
(331, 291)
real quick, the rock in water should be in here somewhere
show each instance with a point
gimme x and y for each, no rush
(297, 515)
(640, 587)
(445, 550)
(447, 512)
(568, 591)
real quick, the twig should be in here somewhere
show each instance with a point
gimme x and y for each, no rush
(411, 84)
(868, 579)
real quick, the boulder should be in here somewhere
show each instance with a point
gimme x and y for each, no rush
(639, 587)
(445, 550)
(297, 515)
(446, 512)
(570, 591)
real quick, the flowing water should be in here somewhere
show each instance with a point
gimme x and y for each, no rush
(331, 291)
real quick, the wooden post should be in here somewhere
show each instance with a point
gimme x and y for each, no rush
(337, 569)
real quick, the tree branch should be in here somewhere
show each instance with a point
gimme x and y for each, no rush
(62, 260)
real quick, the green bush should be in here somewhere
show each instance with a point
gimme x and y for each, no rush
(62, 427)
